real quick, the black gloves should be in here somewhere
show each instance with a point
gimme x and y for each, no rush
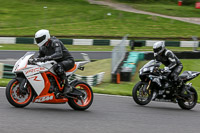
(42, 59)
(46, 58)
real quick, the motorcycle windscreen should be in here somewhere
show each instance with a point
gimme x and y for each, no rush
(22, 62)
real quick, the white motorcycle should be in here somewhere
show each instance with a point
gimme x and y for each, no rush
(37, 82)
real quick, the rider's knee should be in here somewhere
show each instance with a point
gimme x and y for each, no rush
(59, 69)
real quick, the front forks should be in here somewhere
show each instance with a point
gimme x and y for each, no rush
(149, 90)
(146, 88)
(22, 84)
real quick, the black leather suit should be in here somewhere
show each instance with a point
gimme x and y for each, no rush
(55, 50)
(169, 59)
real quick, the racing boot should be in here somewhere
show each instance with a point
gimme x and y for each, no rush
(180, 87)
(177, 81)
(67, 87)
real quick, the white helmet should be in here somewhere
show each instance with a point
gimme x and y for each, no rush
(41, 37)
(158, 47)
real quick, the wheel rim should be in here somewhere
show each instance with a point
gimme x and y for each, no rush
(190, 101)
(87, 98)
(141, 95)
(17, 97)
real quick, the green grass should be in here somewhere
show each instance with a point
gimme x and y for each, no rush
(124, 88)
(4, 82)
(167, 8)
(93, 68)
(193, 65)
(78, 17)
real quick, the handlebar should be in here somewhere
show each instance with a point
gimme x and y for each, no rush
(162, 71)
(34, 60)
(165, 71)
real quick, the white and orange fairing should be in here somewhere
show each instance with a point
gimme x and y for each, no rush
(37, 76)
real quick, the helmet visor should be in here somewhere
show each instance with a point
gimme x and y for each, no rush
(157, 50)
(40, 39)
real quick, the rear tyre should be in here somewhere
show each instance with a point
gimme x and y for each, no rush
(86, 101)
(14, 96)
(140, 96)
(190, 102)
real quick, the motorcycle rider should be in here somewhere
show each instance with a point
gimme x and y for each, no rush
(169, 59)
(51, 48)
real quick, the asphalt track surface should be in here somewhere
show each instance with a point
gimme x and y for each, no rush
(10, 57)
(108, 114)
(6, 54)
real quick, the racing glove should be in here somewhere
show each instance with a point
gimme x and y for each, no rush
(165, 70)
(46, 58)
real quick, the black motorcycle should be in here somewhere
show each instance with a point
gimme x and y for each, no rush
(156, 86)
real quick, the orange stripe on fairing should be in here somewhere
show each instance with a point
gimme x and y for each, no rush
(56, 78)
(45, 93)
(23, 67)
(47, 84)
(54, 100)
(71, 70)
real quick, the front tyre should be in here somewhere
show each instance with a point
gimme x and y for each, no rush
(14, 96)
(190, 102)
(140, 95)
(86, 101)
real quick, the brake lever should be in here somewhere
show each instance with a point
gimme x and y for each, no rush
(34, 61)
(31, 61)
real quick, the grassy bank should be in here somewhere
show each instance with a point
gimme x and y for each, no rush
(4, 82)
(78, 17)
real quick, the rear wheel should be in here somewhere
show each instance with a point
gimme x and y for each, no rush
(190, 102)
(140, 95)
(14, 96)
(86, 101)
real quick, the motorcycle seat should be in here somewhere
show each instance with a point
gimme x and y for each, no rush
(184, 75)
(188, 75)
(71, 70)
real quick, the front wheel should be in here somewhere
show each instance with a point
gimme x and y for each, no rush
(14, 96)
(140, 94)
(190, 102)
(85, 101)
